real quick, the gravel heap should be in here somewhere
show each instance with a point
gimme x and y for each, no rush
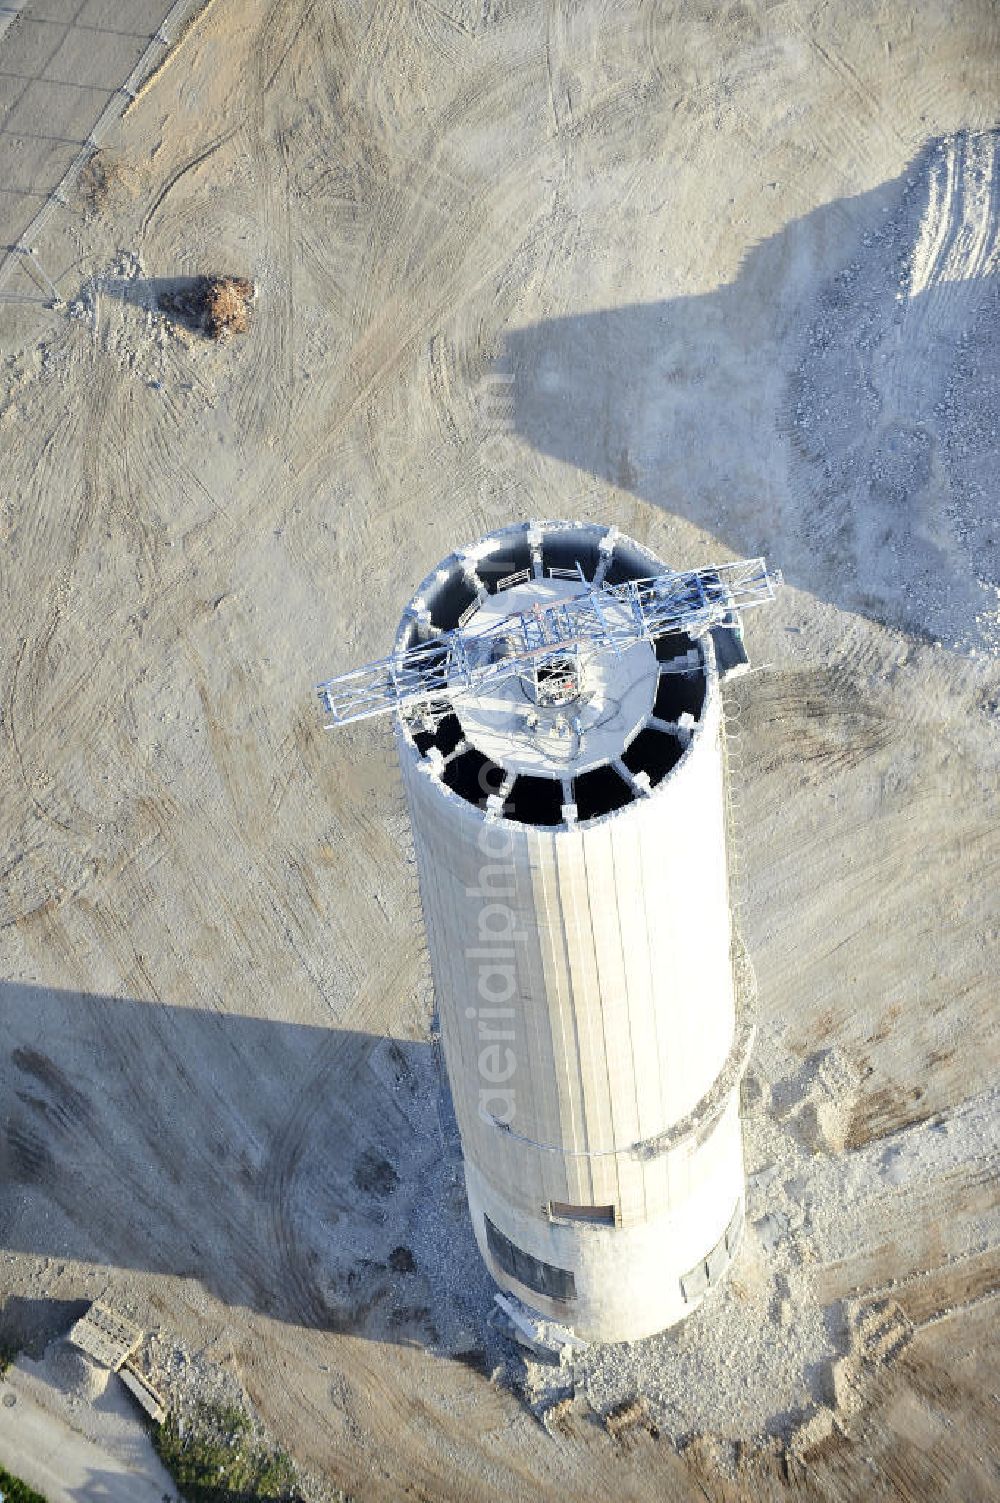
(755, 1361)
(895, 403)
(74, 1373)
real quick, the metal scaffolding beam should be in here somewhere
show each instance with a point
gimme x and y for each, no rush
(602, 618)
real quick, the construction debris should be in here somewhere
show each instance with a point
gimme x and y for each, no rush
(106, 1336)
(216, 306)
(112, 1342)
(143, 1392)
(227, 305)
(545, 1338)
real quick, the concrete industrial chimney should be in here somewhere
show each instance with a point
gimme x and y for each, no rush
(570, 837)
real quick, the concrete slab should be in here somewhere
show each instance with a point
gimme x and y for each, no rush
(39, 1445)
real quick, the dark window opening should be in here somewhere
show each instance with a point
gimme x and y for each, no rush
(600, 792)
(535, 801)
(628, 563)
(621, 570)
(533, 1273)
(673, 644)
(445, 736)
(730, 649)
(473, 776)
(448, 735)
(601, 1215)
(513, 556)
(564, 550)
(654, 753)
(449, 600)
(677, 693)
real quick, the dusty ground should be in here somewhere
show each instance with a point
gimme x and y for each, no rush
(67, 71)
(725, 276)
(69, 1429)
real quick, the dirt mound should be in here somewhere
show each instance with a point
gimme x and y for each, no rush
(216, 306)
(74, 1373)
(227, 305)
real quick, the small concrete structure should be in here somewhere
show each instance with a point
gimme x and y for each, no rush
(112, 1342)
(142, 1390)
(570, 836)
(106, 1336)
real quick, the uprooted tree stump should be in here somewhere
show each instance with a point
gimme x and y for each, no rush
(227, 305)
(216, 306)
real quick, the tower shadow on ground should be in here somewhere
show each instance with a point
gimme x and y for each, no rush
(310, 1174)
(834, 407)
